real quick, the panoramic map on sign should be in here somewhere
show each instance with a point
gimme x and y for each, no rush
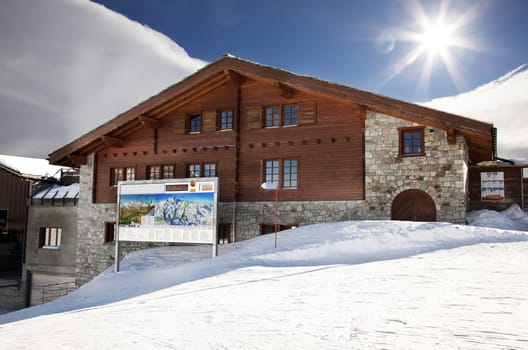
(182, 211)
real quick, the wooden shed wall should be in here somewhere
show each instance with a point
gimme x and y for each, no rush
(513, 188)
(14, 191)
(330, 152)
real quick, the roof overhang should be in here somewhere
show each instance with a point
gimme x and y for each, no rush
(478, 135)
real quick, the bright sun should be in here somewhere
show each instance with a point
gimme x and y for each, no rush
(436, 39)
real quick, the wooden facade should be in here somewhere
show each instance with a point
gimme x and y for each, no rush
(328, 146)
(327, 140)
(515, 187)
(14, 192)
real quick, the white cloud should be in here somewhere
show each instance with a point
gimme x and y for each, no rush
(67, 66)
(503, 102)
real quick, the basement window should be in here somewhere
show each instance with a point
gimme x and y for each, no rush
(411, 141)
(270, 228)
(109, 232)
(50, 237)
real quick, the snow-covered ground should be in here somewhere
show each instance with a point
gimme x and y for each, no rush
(347, 285)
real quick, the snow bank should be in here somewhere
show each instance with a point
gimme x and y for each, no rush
(352, 242)
(513, 218)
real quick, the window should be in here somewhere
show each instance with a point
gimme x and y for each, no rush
(116, 175)
(289, 175)
(130, 174)
(154, 172)
(121, 174)
(412, 141)
(226, 120)
(224, 233)
(270, 228)
(280, 115)
(271, 172)
(201, 170)
(272, 116)
(50, 237)
(109, 233)
(168, 171)
(195, 123)
(289, 115)
(193, 170)
(283, 172)
(209, 170)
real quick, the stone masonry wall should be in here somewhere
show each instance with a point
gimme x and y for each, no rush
(441, 173)
(251, 214)
(93, 256)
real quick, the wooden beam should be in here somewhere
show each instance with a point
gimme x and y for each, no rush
(77, 159)
(235, 77)
(284, 90)
(451, 136)
(112, 141)
(148, 122)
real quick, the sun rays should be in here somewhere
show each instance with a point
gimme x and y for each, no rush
(437, 37)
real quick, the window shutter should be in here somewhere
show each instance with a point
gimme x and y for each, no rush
(218, 116)
(209, 121)
(180, 170)
(179, 123)
(307, 113)
(253, 116)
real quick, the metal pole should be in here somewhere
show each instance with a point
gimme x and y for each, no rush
(276, 219)
(117, 252)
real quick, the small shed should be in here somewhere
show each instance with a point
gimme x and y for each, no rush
(498, 185)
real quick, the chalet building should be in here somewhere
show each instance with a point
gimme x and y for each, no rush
(51, 238)
(337, 153)
(14, 191)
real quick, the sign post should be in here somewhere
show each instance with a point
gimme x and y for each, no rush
(274, 186)
(177, 211)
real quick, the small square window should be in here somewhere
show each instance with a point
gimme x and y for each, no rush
(272, 116)
(168, 171)
(289, 115)
(412, 141)
(193, 170)
(50, 237)
(154, 172)
(195, 123)
(226, 120)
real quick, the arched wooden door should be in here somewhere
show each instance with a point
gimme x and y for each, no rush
(413, 205)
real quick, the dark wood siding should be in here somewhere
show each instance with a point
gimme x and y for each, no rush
(512, 188)
(328, 144)
(14, 192)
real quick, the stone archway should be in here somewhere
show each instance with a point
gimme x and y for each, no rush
(413, 205)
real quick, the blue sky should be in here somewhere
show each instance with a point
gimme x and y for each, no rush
(359, 43)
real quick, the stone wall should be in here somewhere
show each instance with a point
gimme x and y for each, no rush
(441, 173)
(93, 256)
(251, 214)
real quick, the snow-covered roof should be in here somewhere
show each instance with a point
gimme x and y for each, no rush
(30, 167)
(59, 192)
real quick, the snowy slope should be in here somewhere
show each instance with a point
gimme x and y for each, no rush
(354, 285)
